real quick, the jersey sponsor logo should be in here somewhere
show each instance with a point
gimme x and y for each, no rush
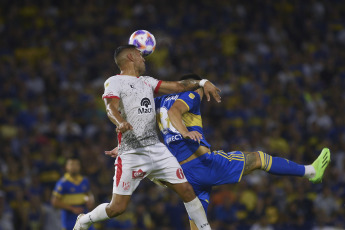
(192, 96)
(179, 173)
(146, 106)
(176, 137)
(126, 185)
(171, 98)
(138, 174)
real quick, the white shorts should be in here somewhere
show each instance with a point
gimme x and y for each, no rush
(154, 161)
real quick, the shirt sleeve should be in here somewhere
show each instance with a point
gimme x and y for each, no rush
(111, 88)
(154, 83)
(58, 190)
(191, 100)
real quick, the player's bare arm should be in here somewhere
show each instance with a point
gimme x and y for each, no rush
(175, 116)
(112, 105)
(169, 87)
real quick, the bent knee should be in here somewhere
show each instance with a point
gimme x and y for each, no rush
(252, 161)
(186, 192)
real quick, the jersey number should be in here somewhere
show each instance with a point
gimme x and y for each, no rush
(163, 121)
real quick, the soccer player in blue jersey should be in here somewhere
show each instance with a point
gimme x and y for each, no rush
(72, 194)
(179, 120)
(180, 123)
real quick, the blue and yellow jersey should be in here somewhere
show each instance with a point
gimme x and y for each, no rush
(179, 147)
(73, 192)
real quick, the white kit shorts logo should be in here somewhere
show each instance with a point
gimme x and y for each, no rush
(138, 174)
(146, 106)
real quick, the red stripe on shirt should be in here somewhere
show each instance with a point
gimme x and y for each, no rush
(118, 166)
(157, 87)
(110, 97)
(119, 136)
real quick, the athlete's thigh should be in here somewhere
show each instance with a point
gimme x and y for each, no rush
(226, 168)
(165, 166)
(130, 169)
(215, 168)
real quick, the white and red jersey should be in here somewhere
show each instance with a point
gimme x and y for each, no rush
(137, 107)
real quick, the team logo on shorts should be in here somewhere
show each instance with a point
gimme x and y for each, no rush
(126, 185)
(146, 106)
(138, 174)
(179, 174)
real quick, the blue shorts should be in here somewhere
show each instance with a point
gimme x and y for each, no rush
(211, 169)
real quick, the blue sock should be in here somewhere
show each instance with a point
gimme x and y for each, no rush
(280, 166)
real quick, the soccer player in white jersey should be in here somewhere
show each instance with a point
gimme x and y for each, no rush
(129, 99)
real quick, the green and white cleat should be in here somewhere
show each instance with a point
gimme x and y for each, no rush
(320, 164)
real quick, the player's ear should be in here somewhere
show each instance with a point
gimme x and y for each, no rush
(130, 57)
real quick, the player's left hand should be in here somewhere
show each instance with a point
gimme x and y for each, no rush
(194, 135)
(113, 153)
(211, 89)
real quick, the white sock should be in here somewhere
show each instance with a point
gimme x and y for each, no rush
(197, 214)
(309, 171)
(96, 215)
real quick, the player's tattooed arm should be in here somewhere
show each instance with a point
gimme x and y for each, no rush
(112, 106)
(168, 87)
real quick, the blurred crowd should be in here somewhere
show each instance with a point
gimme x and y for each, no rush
(280, 66)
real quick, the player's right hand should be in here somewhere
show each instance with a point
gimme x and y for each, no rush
(194, 135)
(210, 88)
(112, 153)
(77, 210)
(123, 127)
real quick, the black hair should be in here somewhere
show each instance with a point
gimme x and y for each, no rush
(190, 76)
(119, 49)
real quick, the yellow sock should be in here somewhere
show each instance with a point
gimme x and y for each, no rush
(266, 161)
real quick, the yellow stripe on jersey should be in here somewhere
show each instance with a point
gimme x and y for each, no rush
(74, 199)
(184, 103)
(191, 119)
(207, 200)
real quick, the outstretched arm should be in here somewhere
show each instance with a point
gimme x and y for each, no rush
(112, 105)
(175, 116)
(168, 87)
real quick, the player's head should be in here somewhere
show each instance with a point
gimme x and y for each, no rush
(193, 76)
(127, 57)
(73, 165)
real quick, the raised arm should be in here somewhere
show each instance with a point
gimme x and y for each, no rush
(112, 106)
(168, 87)
(175, 116)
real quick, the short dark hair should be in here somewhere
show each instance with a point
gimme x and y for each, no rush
(119, 49)
(190, 76)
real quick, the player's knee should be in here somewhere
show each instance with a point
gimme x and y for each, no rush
(114, 210)
(253, 161)
(186, 192)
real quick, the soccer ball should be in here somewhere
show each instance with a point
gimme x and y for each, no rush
(144, 41)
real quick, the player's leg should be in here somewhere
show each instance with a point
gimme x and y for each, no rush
(167, 169)
(103, 212)
(123, 187)
(192, 203)
(282, 166)
(204, 203)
